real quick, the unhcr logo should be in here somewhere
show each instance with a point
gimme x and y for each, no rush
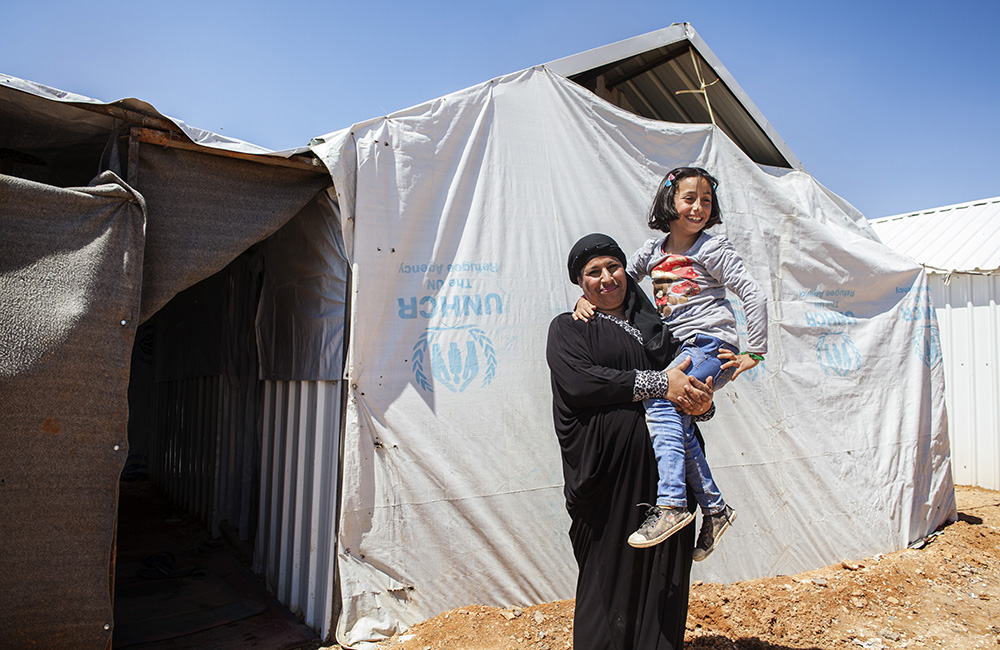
(837, 354)
(927, 344)
(454, 357)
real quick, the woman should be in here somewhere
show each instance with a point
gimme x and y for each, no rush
(626, 598)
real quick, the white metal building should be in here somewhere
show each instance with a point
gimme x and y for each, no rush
(959, 246)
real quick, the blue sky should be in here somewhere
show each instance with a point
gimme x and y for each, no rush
(892, 104)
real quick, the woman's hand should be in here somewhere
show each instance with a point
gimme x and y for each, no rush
(691, 396)
(584, 310)
(740, 361)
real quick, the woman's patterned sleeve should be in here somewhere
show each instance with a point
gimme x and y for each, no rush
(650, 384)
(654, 383)
(706, 416)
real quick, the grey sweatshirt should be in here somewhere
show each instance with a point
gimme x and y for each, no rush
(690, 290)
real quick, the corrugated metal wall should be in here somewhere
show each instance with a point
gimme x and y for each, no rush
(262, 456)
(969, 322)
(296, 539)
(282, 493)
(202, 450)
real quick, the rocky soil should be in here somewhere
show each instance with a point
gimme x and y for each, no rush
(943, 595)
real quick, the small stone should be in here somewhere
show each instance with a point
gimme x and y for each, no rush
(820, 582)
(891, 635)
(539, 617)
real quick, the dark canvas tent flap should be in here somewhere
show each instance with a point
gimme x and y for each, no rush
(204, 210)
(300, 319)
(80, 268)
(70, 273)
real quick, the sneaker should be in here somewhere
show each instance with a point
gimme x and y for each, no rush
(712, 528)
(661, 522)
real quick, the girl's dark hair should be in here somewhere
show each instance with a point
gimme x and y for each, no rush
(662, 212)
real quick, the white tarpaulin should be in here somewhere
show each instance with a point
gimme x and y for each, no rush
(458, 216)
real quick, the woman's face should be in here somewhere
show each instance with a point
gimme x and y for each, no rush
(603, 282)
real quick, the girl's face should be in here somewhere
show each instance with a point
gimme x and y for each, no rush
(693, 202)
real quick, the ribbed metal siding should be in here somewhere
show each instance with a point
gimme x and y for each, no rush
(202, 449)
(296, 539)
(969, 322)
(183, 441)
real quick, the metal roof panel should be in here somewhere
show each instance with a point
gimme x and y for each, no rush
(662, 75)
(964, 237)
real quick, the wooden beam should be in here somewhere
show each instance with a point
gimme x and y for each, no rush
(133, 158)
(131, 117)
(179, 141)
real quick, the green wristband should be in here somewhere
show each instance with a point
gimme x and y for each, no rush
(754, 356)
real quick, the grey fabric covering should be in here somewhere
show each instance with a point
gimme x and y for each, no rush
(80, 268)
(62, 145)
(204, 210)
(70, 272)
(300, 320)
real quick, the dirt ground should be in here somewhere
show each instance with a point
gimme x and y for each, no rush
(943, 595)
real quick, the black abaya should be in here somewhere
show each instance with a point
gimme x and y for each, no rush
(626, 598)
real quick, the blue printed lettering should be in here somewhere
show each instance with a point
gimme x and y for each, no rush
(450, 306)
(407, 310)
(421, 268)
(474, 307)
(456, 306)
(918, 313)
(424, 301)
(830, 318)
(497, 303)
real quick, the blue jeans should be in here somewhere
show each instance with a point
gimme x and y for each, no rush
(679, 457)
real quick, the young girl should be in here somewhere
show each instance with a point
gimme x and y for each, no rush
(691, 270)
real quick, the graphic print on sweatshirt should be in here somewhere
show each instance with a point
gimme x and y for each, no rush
(674, 281)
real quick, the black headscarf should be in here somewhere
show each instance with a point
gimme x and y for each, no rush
(589, 247)
(638, 309)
